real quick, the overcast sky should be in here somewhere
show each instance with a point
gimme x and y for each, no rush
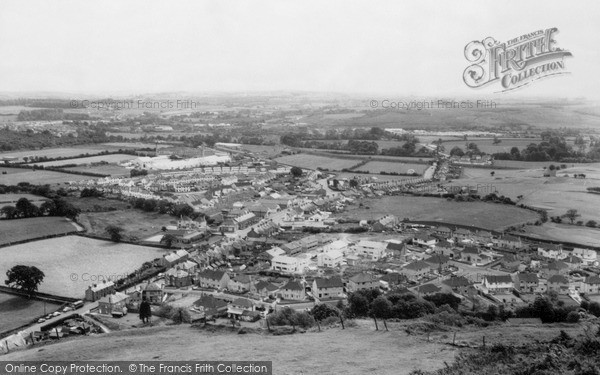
(386, 47)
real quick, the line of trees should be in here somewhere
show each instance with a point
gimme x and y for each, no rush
(25, 209)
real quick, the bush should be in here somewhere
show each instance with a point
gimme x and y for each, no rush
(573, 317)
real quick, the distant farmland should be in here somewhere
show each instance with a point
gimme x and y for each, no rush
(15, 175)
(35, 227)
(479, 214)
(389, 167)
(313, 161)
(112, 158)
(72, 263)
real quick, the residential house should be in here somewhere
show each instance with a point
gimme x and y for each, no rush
(588, 256)
(444, 232)
(424, 239)
(363, 281)
(438, 262)
(508, 241)
(498, 283)
(559, 284)
(330, 259)
(263, 289)
(178, 278)
(527, 282)
(459, 284)
(97, 291)
(113, 304)
(463, 234)
(591, 285)
(396, 249)
(445, 248)
(289, 264)
(239, 283)
(552, 251)
(211, 279)
(325, 288)
(293, 290)
(210, 306)
(371, 249)
(242, 309)
(573, 262)
(471, 254)
(556, 268)
(153, 293)
(416, 270)
(483, 237)
(510, 262)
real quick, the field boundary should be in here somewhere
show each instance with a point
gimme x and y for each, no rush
(48, 236)
(391, 159)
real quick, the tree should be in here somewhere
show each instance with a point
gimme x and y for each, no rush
(457, 151)
(591, 223)
(168, 239)
(492, 173)
(358, 304)
(381, 308)
(496, 140)
(115, 233)
(323, 311)
(26, 278)
(571, 214)
(296, 171)
(25, 208)
(9, 212)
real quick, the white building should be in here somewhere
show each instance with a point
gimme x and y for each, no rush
(371, 249)
(330, 259)
(289, 264)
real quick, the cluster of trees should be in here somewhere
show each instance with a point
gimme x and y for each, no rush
(290, 317)
(162, 207)
(471, 149)
(16, 140)
(54, 207)
(551, 310)
(138, 172)
(50, 114)
(91, 193)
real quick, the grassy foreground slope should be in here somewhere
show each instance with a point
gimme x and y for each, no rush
(356, 350)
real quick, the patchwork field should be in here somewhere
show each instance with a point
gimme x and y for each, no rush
(35, 227)
(479, 214)
(16, 311)
(555, 194)
(72, 263)
(112, 158)
(313, 161)
(382, 166)
(15, 175)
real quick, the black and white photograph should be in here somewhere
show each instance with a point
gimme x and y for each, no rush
(299, 187)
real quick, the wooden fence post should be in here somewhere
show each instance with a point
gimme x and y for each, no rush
(484, 341)
(454, 338)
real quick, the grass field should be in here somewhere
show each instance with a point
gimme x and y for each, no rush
(479, 214)
(106, 169)
(382, 166)
(565, 232)
(112, 158)
(134, 222)
(35, 227)
(356, 350)
(555, 194)
(15, 175)
(313, 161)
(72, 263)
(16, 311)
(11, 199)
(92, 203)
